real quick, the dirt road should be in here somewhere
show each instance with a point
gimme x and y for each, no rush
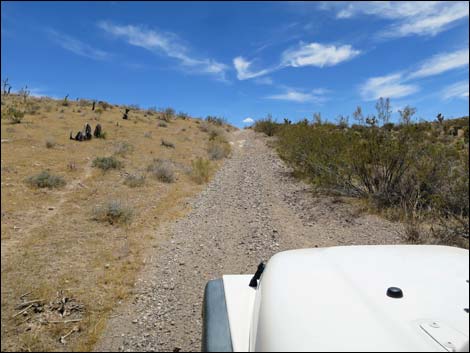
(252, 209)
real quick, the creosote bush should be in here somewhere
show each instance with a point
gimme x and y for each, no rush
(267, 126)
(406, 167)
(113, 212)
(45, 180)
(106, 163)
(162, 170)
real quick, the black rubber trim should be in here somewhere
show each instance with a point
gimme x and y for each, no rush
(216, 330)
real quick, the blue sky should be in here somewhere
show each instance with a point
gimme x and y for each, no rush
(243, 59)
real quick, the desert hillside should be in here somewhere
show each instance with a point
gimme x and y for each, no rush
(76, 215)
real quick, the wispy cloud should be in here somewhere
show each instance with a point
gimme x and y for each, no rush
(427, 18)
(390, 86)
(165, 43)
(304, 54)
(242, 66)
(441, 63)
(292, 95)
(316, 54)
(77, 47)
(456, 90)
(402, 84)
(264, 81)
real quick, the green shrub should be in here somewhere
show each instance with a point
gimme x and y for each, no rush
(200, 170)
(267, 126)
(113, 212)
(162, 170)
(106, 163)
(45, 180)
(134, 180)
(162, 124)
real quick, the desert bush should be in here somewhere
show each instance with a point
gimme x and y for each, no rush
(84, 102)
(162, 124)
(167, 143)
(45, 180)
(72, 166)
(167, 114)
(148, 135)
(134, 180)
(50, 143)
(106, 163)
(182, 116)
(218, 148)
(122, 148)
(405, 167)
(162, 170)
(200, 170)
(14, 115)
(216, 120)
(267, 126)
(113, 212)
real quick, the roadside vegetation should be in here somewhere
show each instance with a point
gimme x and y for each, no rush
(78, 216)
(417, 172)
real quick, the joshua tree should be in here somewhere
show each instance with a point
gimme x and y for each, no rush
(6, 86)
(125, 116)
(440, 118)
(24, 93)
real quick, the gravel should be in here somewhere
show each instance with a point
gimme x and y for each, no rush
(251, 210)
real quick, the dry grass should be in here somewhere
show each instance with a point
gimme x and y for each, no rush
(49, 240)
(200, 170)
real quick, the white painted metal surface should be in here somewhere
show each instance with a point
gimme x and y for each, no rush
(334, 299)
(239, 298)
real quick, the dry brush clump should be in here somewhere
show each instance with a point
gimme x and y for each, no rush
(45, 180)
(404, 167)
(162, 170)
(106, 163)
(218, 148)
(200, 170)
(134, 180)
(113, 212)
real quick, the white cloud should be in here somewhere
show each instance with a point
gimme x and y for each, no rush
(292, 95)
(165, 43)
(243, 69)
(390, 86)
(426, 18)
(456, 90)
(77, 47)
(248, 121)
(305, 54)
(441, 63)
(316, 54)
